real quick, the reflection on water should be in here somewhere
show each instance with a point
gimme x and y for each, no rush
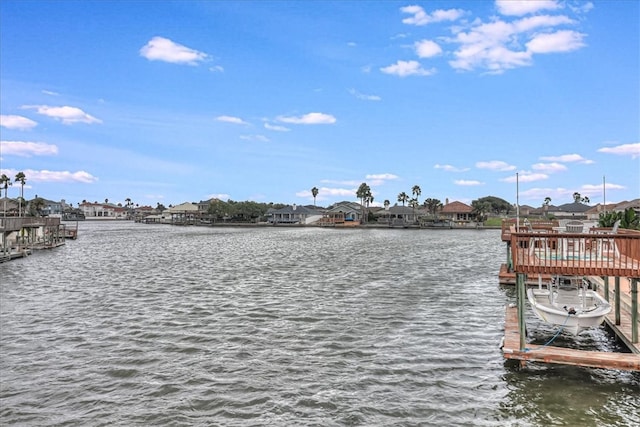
(137, 324)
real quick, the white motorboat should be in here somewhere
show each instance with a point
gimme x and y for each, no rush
(568, 302)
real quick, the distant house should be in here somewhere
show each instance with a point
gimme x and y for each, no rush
(293, 214)
(595, 211)
(397, 215)
(93, 211)
(575, 210)
(343, 213)
(53, 208)
(457, 212)
(203, 205)
(526, 210)
(184, 213)
(141, 212)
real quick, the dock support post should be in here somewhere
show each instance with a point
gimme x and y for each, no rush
(606, 288)
(616, 298)
(634, 310)
(521, 296)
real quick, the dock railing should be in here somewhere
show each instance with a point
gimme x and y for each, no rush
(509, 226)
(589, 254)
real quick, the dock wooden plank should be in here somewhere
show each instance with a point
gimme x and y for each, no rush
(560, 355)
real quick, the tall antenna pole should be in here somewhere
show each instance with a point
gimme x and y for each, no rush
(604, 194)
(517, 204)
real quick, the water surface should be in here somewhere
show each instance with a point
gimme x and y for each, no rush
(137, 324)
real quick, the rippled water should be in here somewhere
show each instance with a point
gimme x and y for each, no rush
(136, 324)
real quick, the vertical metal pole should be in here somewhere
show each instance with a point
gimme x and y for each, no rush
(634, 310)
(606, 288)
(616, 298)
(521, 291)
(517, 204)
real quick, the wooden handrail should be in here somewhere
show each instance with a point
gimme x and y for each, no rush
(589, 254)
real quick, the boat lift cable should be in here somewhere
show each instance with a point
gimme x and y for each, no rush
(556, 334)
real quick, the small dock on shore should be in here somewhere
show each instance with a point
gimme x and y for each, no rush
(600, 257)
(21, 235)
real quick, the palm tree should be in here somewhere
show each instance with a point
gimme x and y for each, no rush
(416, 191)
(403, 198)
(545, 205)
(314, 193)
(414, 203)
(480, 209)
(5, 181)
(576, 197)
(432, 205)
(36, 206)
(364, 193)
(21, 178)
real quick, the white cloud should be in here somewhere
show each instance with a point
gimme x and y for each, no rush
(450, 168)
(632, 150)
(27, 148)
(549, 167)
(308, 119)
(468, 183)
(216, 69)
(427, 48)
(231, 119)
(407, 68)
(596, 189)
(363, 96)
(525, 176)
(276, 127)
(420, 17)
(379, 179)
(259, 138)
(54, 176)
(382, 176)
(495, 165)
(567, 158)
(67, 115)
(560, 41)
(163, 49)
(500, 45)
(48, 92)
(333, 192)
(524, 7)
(16, 122)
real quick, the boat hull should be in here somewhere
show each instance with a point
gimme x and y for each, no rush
(574, 312)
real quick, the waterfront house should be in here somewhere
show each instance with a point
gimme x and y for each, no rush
(184, 213)
(397, 215)
(595, 212)
(458, 213)
(53, 208)
(571, 211)
(343, 213)
(94, 211)
(293, 214)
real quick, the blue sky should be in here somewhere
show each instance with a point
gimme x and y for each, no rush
(257, 100)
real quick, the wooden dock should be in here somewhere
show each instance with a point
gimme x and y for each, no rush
(546, 251)
(561, 355)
